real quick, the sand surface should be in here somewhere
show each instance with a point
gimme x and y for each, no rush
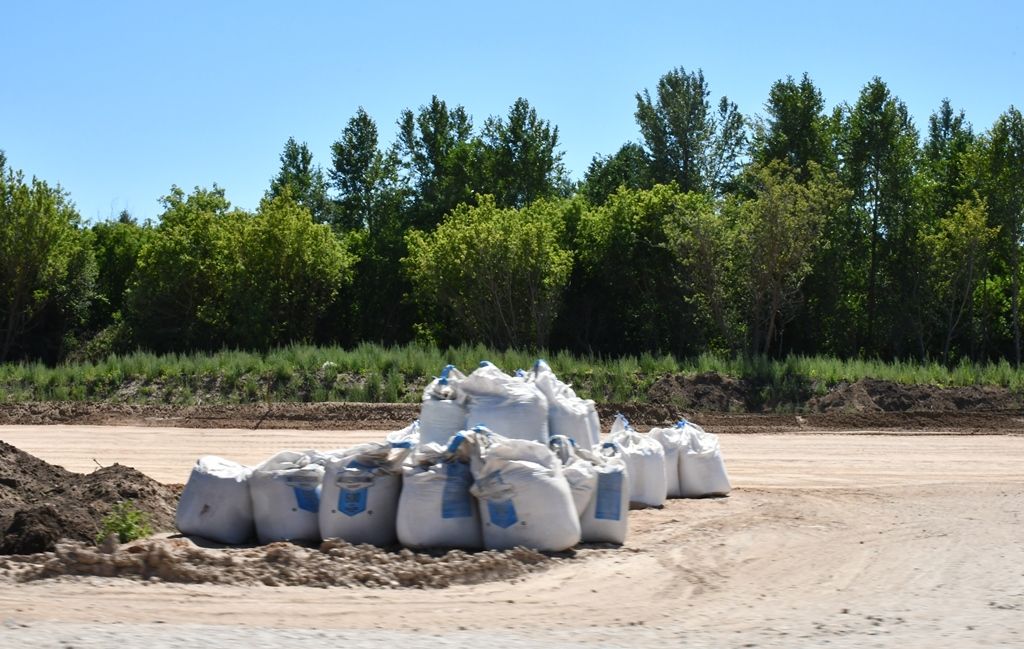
(827, 540)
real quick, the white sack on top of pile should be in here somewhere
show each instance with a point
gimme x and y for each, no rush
(673, 439)
(579, 473)
(506, 405)
(215, 503)
(645, 462)
(285, 492)
(359, 501)
(407, 438)
(443, 410)
(436, 508)
(701, 467)
(606, 518)
(524, 497)
(568, 414)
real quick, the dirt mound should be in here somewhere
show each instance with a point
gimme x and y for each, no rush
(872, 395)
(41, 503)
(334, 563)
(710, 392)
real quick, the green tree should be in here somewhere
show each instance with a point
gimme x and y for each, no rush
(628, 293)
(439, 156)
(180, 295)
(490, 274)
(796, 130)
(303, 180)
(704, 245)
(48, 271)
(364, 176)
(945, 166)
(690, 143)
(776, 235)
(878, 146)
(291, 271)
(116, 245)
(958, 247)
(520, 158)
(628, 167)
(1002, 161)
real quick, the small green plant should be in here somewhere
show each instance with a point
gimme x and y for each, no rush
(127, 521)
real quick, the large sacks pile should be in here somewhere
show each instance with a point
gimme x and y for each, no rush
(496, 461)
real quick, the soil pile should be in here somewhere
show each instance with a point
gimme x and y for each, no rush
(710, 392)
(41, 503)
(334, 563)
(872, 395)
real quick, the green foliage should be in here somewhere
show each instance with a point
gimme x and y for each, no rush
(126, 521)
(520, 158)
(492, 274)
(116, 245)
(302, 180)
(629, 167)
(960, 248)
(211, 276)
(627, 292)
(689, 142)
(47, 273)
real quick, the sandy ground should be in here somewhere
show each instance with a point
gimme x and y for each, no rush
(833, 540)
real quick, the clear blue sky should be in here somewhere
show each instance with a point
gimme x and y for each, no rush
(118, 101)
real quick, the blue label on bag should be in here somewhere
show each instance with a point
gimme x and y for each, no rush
(502, 513)
(352, 502)
(456, 501)
(308, 500)
(609, 497)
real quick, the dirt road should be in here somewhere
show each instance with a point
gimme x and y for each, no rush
(828, 539)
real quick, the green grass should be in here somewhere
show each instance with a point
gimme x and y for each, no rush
(397, 374)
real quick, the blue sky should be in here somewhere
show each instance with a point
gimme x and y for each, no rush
(118, 101)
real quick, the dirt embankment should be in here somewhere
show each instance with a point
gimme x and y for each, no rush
(729, 405)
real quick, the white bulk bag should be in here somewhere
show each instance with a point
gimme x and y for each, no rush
(673, 439)
(645, 463)
(443, 411)
(524, 498)
(701, 467)
(506, 405)
(215, 503)
(407, 438)
(436, 508)
(568, 415)
(606, 518)
(285, 493)
(359, 500)
(579, 473)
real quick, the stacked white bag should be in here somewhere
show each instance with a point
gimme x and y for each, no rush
(436, 508)
(285, 493)
(361, 486)
(673, 439)
(443, 411)
(523, 494)
(215, 503)
(600, 489)
(701, 467)
(694, 466)
(579, 473)
(606, 519)
(506, 405)
(568, 414)
(645, 464)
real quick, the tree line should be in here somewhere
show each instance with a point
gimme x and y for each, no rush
(844, 232)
